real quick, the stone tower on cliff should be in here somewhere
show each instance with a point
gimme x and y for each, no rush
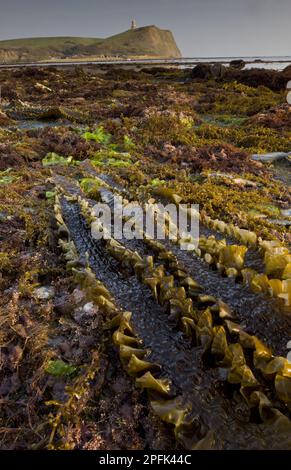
(133, 24)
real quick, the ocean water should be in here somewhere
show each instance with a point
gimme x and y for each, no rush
(272, 62)
(275, 63)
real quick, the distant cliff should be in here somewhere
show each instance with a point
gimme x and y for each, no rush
(147, 41)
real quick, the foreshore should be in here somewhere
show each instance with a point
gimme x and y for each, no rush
(142, 342)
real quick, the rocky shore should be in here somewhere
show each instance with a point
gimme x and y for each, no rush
(138, 344)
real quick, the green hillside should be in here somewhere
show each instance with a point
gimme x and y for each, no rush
(146, 41)
(50, 42)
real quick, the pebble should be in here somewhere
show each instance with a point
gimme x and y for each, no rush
(269, 157)
(89, 308)
(44, 293)
(43, 88)
(82, 314)
(78, 296)
(283, 222)
(286, 212)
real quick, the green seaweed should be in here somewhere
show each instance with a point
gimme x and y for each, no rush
(52, 159)
(111, 158)
(157, 182)
(91, 187)
(50, 194)
(59, 368)
(128, 143)
(99, 135)
(7, 178)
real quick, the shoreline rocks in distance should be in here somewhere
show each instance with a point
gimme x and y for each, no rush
(275, 80)
(237, 64)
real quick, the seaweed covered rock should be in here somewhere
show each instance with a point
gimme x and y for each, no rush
(258, 77)
(237, 64)
(9, 157)
(207, 71)
(8, 92)
(52, 113)
(254, 77)
(64, 142)
(278, 117)
(222, 157)
(272, 79)
(4, 119)
(218, 71)
(201, 71)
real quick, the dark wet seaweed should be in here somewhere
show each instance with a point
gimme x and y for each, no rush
(213, 407)
(263, 316)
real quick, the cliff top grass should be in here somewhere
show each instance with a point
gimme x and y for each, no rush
(145, 41)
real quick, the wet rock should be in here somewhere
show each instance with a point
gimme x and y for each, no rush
(272, 79)
(3, 216)
(90, 309)
(78, 296)
(44, 293)
(269, 157)
(237, 64)
(261, 77)
(286, 212)
(278, 117)
(218, 71)
(287, 69)
(64, 305)
(65, 349)
(82, 314)
(201, 71)
(58, 389)
(222, 158)
(121, 385)
(9, 157)
(206, 71)
(38, 191)
(282, 222)
(86, 342)
(9, 384)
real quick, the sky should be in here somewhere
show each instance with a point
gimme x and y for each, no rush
(202, 28)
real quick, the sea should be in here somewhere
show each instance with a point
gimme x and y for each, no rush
(265, 62)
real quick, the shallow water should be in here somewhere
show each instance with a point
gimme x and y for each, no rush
(27, 125)
(282, 171)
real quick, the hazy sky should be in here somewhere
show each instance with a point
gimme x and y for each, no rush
(201, 27)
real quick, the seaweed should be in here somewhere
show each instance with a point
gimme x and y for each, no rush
(59, 368)
(99, 135)
(6, 178)
(52, 159)
(67, 348)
